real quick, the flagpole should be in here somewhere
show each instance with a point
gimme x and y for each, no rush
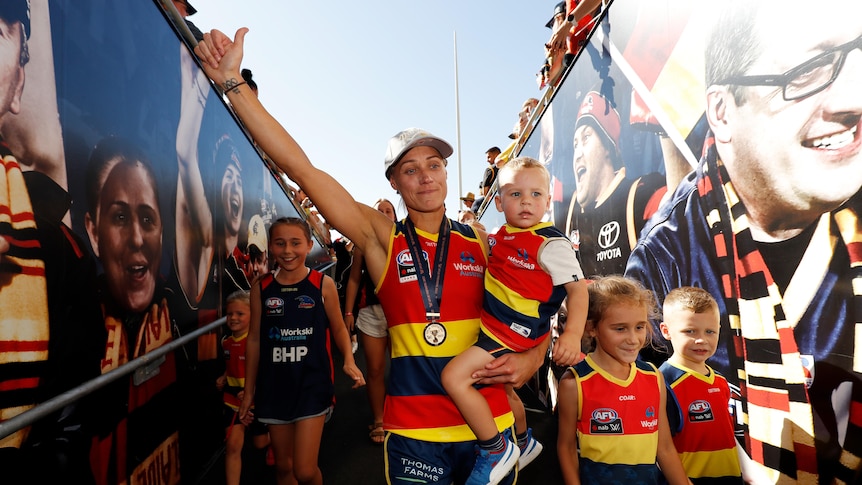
(457, 121)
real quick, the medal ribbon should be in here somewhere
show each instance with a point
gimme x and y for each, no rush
(431, 289)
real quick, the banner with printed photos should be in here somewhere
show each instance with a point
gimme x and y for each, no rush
(132, 204)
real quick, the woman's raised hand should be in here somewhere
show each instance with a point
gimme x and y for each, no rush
(221, 56)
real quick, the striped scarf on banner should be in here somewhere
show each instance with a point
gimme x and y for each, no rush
(778, 418)
(23, 299)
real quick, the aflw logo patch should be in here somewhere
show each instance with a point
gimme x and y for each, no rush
(605, 421)
(699, 411)
(406, 268)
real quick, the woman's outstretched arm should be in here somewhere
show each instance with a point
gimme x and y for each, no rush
(367, 228)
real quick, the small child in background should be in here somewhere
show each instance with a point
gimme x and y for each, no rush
(706, 442)
(611, 404)
(289, 373)
(532, 269)
(232, 383)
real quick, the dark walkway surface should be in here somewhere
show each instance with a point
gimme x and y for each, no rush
(347, 456)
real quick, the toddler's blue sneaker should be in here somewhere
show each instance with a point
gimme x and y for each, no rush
(490, 468)
(531, 449)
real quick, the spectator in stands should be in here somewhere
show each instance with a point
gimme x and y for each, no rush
(468, 200)
(466, 217)
(490, 174)
(580, 17)
(524, 115)
(469, 217)
(579, 9)
(434, 444)
(488, 178)
(247, 76)
(555, 48)
(185, 9)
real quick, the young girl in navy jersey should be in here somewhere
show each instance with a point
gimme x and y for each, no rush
(611, 403)
(289, 372)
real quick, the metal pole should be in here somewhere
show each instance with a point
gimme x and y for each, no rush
(60, 401)
(457, 122)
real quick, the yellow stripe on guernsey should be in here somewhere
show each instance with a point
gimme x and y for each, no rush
(711, 463)
(638, 449)
(524, 306)
(409, 339)
(454, 434)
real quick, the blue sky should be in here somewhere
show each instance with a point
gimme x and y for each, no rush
(343, 77)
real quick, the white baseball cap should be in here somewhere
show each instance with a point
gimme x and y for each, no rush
(410, 138)
(257, 233)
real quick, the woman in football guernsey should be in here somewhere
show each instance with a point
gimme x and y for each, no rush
(429, 274)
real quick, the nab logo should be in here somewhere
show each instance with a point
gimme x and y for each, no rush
(467, 257)
(605, 415)
(608, 235)
(699, 411)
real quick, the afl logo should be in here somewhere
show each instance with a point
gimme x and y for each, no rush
(435, 334)
(274, 302)
(699, 411)
(492, 241)
(404, 258)
(608, 234)
(605, 415)
(698, 406)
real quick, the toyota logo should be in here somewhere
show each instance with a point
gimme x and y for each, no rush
(608, 234)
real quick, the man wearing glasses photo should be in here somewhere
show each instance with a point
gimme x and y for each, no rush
(768, 224)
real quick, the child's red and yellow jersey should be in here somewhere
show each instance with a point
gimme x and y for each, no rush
(520, 295)
(417, 406)
(706, 443)
(234, 353)
(618, 423)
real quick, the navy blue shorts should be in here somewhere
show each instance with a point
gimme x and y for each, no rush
(491, 346)
(415, 461)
